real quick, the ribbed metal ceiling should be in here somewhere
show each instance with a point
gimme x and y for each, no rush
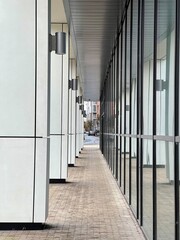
(93, 25)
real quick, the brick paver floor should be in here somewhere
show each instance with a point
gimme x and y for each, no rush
(89, 206)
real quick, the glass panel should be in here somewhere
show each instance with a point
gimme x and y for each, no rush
(148, 67)
(165, 67)
(165, 190)
(123, 78)
(128, 69)
(134, 69)
(119, 111)
(127, 162)
(147, 188)
(115, 114)
(179, 181)
(134, 174)
(17, 61)
(122, 164)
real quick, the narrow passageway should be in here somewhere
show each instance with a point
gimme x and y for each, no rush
(88, 206)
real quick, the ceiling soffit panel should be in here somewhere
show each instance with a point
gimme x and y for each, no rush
(93, 26)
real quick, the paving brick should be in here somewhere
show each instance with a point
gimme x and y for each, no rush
(89, 206)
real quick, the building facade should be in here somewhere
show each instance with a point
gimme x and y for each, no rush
(140, 114)
(93, 114)
(123, 52)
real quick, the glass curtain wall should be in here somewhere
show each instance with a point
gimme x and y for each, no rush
(140, 114)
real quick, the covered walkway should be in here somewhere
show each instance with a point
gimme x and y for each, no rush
(89, 206)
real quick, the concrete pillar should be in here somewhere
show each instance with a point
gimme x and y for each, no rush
(72, 117)
(24, 110)
(59, 111)
(77, 125)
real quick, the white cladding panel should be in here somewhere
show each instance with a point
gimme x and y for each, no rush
(16, 179)
(17, 61)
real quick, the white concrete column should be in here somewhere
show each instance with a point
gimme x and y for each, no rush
(82, 131)
(65, 90)
(72, 117)
(59, 111)
(77, 128)
(24, 106)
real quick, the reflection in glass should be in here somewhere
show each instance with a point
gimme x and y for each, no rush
(165, 67)
(134, 174)
(127, 162)
(122, 165)
(147, 188)
(148, 67)
(123, 79)
(165, 190)
(134, 69)
(128, 68)
(119, 116)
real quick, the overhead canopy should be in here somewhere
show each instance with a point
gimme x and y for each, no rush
(93, 24)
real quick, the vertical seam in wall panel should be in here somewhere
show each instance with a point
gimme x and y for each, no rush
(35, 111)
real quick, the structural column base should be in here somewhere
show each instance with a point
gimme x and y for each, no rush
(21, 226)
(70, 165)
(57, 180)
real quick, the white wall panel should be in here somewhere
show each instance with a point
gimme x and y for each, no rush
(55, 157)
(17, 61)
(41, 181)
(42, 69)
(16, 179)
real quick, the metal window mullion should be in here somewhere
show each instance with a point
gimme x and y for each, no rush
(114, 112)
(117, 104)
(141, 113)
(35, 109)
(121, 108)
(112, 103)
(111, 83)
(137, 107)
(154, 120)
(130, 99)
(125, 65)
(176, 119)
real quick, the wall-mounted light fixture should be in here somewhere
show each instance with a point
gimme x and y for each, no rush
(84, 114)
(79, 99)
(58, 43)
(81, 107)
(70, 84)
(160, 85)
(74, 84)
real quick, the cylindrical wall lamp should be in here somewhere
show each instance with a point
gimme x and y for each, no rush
(81, 107)
(79, 99)
(58, 43)
(74, 84)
